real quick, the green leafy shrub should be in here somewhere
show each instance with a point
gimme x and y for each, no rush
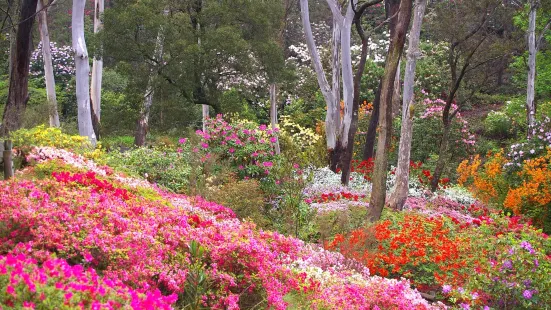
(514, 268)
(244, 197)
(336, 222)
(498, 125)
(166, 167)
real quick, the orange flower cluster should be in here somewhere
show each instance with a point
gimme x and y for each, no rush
(535, 190)
(419, 248)
(527, 192)
(485, 183)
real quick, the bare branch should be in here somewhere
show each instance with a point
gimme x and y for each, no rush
(542, 34)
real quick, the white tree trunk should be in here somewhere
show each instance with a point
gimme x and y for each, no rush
(330, 97)
(532, 52)
(401, 190)
(205, 111)
(48, 65)
(273, 113)
(334, 107)
(397, 91)
(347, 74)
(82, 72)
(97, 67)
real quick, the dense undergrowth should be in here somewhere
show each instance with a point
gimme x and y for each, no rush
(88, 228)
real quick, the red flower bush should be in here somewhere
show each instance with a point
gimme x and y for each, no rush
(423, 249)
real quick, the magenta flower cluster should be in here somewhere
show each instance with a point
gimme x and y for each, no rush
(56, 283)
(249, 147)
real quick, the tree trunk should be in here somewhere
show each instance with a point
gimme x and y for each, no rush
(331, 95)
(333, 117)
(273, 113)
(97, 69)
(401, 190)
(347, 75)
(396, 95)
(369, 147)
(205, 113)
(18, 93)
(82, 69)
(349, 153)
(441, 157)
(142, 126)
(532, 52)
(378, 192)
(48, 65)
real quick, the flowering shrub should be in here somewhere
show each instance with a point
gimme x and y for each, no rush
(25, 285)
(247, 146)
(513, 271)
(25, 139)
(527, 191)
(533, 196)
(534, 147)
(62, 60)
(486, 181)
(423, 249)
(302, 145)
(170, 243)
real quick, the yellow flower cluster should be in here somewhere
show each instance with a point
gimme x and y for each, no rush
(301, 136)
(54, 137)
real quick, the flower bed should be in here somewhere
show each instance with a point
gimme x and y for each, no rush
(173, 244)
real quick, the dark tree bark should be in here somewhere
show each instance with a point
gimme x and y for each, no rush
(95, 120)
(369, 147)
(348, 153)
(397, 41)
(391, 11)
(18, 94)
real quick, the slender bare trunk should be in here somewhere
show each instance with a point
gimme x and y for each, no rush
(349, 154)
(396, 96)
(378, 192)
(330, 94)
(440, 164)
(347, 74)
(48, 65)
(97, 69)
(205, 113)
(142, 126)
(82, 69)
(371, 136)
(401, 191)
(18, 93)
(532, 52)
(273, 113)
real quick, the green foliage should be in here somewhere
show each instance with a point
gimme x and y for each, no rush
(307, 113)
(427, 134)
(244, 197)
(498, 125)
(429, 72)
(519, 264)
(165, 167)
(233, 101)
(332, 223)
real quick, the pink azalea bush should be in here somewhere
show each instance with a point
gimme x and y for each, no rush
(25, 284)
(249, 147)
(173, 244)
